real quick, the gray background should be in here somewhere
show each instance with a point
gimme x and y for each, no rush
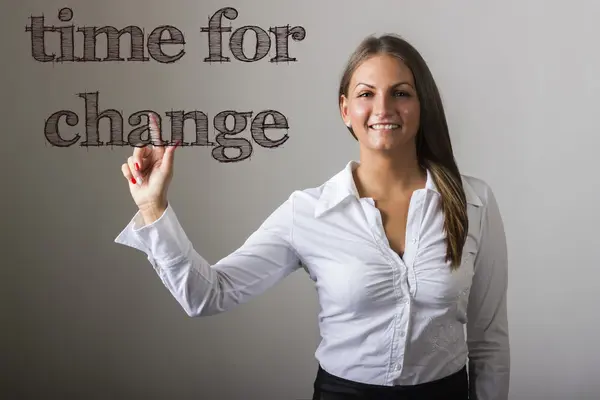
(85, 318)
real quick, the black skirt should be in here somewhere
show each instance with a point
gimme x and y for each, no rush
(330, 387)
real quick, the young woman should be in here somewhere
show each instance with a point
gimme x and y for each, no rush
(403, 249)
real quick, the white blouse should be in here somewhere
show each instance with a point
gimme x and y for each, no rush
(384, 319)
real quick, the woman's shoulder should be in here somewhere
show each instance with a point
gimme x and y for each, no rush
(310, 200)
(325, 195)
(477, 189)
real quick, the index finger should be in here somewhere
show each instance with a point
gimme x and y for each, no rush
(139, 153)
(154, 131)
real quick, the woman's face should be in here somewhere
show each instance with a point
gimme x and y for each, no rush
(382, 106)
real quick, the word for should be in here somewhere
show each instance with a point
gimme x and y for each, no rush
(222, 141)
(155, 41)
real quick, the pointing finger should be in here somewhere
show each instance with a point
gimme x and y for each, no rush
(154, 130)
(143, 152)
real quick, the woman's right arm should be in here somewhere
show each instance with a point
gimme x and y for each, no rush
(265, 258)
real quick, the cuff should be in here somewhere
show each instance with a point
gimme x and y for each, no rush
(164, 240)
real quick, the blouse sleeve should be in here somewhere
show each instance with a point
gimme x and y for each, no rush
(487, 326)
(265, 258)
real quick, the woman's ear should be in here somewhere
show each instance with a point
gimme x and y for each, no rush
(344, 110)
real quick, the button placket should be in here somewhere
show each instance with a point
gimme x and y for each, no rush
(414, 226)
(401, 275)
(399, 362)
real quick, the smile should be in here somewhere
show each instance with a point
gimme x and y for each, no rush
(384, 126)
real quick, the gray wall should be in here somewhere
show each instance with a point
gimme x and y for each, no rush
(89, 319)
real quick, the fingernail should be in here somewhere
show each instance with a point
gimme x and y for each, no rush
(137, 166)
(177, 144)
(133, 180)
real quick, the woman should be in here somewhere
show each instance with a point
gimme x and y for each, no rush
(403, 249)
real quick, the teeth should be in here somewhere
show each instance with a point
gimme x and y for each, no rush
(385, 126)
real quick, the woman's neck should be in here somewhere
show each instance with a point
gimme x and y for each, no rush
(382, 176)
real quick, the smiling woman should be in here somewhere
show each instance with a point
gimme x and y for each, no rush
(398, 121)
(403, 249)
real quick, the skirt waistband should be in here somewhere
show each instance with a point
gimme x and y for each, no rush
(453, 387)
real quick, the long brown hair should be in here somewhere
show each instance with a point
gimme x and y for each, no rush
(434, 149)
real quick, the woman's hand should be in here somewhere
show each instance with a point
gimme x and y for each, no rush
(149, 172)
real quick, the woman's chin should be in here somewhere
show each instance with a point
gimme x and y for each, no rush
(382, 140)
(386, 142)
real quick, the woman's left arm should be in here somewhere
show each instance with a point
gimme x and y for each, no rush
(487, 326)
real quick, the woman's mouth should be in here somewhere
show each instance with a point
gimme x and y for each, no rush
(384, 127)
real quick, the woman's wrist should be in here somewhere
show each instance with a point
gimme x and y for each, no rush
(151, 212)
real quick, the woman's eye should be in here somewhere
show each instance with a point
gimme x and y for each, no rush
(396, 94)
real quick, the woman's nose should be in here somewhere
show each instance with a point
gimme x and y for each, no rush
(383, 105)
